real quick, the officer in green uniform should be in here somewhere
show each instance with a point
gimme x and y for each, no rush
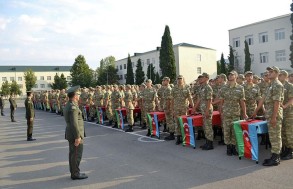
(29, 115)
(13, 106)
(272, 100)
(2, 104)
(74, 132)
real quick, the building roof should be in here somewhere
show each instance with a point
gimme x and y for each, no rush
(267, 20)
(35, 68)
(177, 45)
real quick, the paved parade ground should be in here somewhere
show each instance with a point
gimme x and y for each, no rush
(115, 159)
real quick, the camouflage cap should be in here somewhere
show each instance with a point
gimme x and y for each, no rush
(98, 86)
(73, 89)
(179, 76)
(115, 86)
(233, 73)
(241, 76)
(204, 74)
(128, 86)
(143, 85)
(256, 77)
(276, 69)
(248, 72)
(266, 73)
(166, 78)
(284, 72)
(222, 76)
(148, 81)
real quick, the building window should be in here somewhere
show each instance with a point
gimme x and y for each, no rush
(42, 78)
(117, 68)
(249, 39)
(252, 58)
(236, 42)
(198, 70)
(4, 79)
(36, 86)
(120, 67)
(20, 86)
(124, 66)
(279, 34)
(198, 57)
(49, 85)
(280, 56)
(263, 37)
(42, 85)
(125, 76)
(120, 77)
(148, 61)
(264, 57)
(19, 78)
(49, 78)
(11, 78)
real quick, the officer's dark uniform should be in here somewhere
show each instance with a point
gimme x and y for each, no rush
(13, 107)
(29, 115)
(2, 104)
(74, 130)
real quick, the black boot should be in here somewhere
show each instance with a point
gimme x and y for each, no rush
(110, 123)
(209, 145)
(170, 137)
(179, 140)
(229, 150)
(149, 133)
(199, 135)
(165, 128)
(273, 161)
(205, 144)
(115, 125)
(130, 129)
(263, 140)
(283, 151)
(288, 154)
(234, 151)
(144, 126)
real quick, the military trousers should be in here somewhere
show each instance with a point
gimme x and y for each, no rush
(75, 155)
(30, 126)
(287, 128)
(130, 118)
(148, 107)
(229, 133)
(114, 107)
(208, 125)
(12, 111)
(177, 113)
(109, 113)
(275, 135)
(170, 121)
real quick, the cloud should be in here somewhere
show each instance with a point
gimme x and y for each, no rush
(31, 21)
(3, 23)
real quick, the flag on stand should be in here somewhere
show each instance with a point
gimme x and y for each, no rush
(154, 125)
(187, 131)
(100, 115)
(119, 117)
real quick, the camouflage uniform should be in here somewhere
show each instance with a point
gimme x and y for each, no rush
(57, 101)
(204, 95)
(99, 98)
(128, 99)
(274, 93)
(62, 100)
(83, 102)
(167, 96)
(180, 96)
(160, 97)
(108, 104)
(149, 96)
(231, 110)
(252, 95)
(116, 102)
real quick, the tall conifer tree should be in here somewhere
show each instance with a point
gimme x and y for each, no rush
(129, 73)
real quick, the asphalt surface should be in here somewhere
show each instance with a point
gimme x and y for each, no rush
(115, 159)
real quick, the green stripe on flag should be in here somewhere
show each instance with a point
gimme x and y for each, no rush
(150, 120)
(182, 130)
(117, 118)
(239, 137)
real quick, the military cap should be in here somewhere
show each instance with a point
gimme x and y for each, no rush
(241, 76)
(73, 89)
(166, 78)
(233, 73)
(128, 86)
(256, 77)
(200, 76)
(179, 76)
(148, 80)
(248, 72)
(115, 86)
(98, 86)
(276, 69)
(143, 85)
(223, 76)
(205, 75)
(284, 72)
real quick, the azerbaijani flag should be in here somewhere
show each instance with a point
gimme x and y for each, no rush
(187, 131)
(100, 115)
(119, 117)
(246, 137)
(153, 123)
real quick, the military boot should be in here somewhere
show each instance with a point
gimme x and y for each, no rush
(284, 151)
(165, 128)
(209, 145)
(179, 140)
(144, 126)
(201, 146)
(273, 161)
(115, 125)
(288, 155)
(229, 150)
(148, 133)
(234, 151)
(170, 137)
(110, 123)
(130, 129)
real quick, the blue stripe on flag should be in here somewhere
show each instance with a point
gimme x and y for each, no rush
(191, 133)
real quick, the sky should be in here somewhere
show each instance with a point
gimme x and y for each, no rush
(55, 32)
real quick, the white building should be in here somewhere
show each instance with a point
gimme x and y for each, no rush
(190, 60)
(45, 75)
(269, 43)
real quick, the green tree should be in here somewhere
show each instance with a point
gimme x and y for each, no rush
(218, 67)
(139, 73)
(158, 78)
(231, 58)
(55, 85)
(59, 82)
(247, 63)
(5, 88)
(291, 38)
(30, 79)
(223, 65)
(129, 73)
(63, 83)
(151, 74)
(108, 76)
(167, 57)
(80, 72)
(14, 88)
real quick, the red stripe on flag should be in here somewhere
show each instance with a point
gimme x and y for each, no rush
(246, 140)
